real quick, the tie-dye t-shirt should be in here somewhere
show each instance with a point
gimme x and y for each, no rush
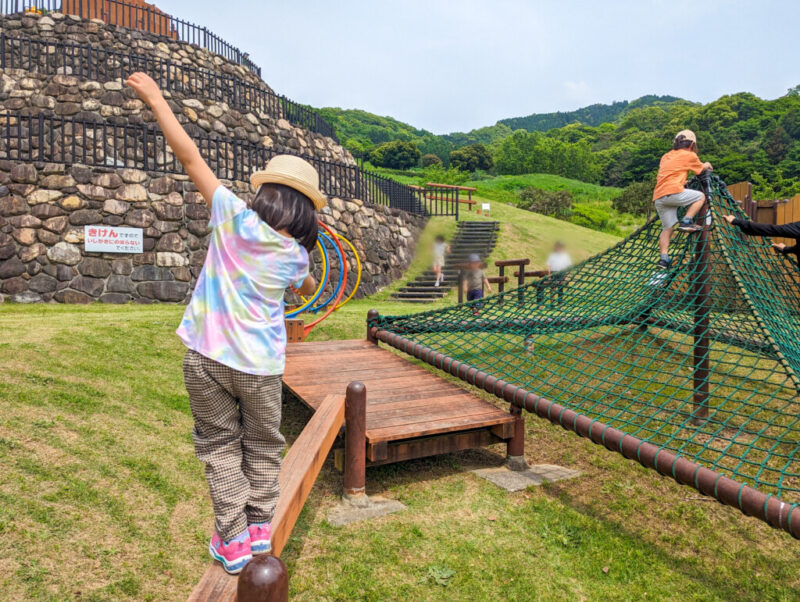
(235, 316)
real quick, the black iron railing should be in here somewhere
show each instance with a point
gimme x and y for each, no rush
(52, 139)
(135, 16)
(37, 55)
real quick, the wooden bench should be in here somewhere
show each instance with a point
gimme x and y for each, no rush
(265, 577)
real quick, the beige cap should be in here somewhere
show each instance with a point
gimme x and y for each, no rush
(293, 172)
(687, 135)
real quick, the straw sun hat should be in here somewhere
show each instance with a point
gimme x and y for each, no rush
(293, 172)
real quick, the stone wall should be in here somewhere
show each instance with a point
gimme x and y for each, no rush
(44, 208)
(64, 94)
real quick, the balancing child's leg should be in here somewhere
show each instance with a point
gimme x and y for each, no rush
(262, 444)
(217, 440)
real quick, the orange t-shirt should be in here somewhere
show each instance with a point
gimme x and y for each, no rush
(673, 171)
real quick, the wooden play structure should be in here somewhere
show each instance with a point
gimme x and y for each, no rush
(391, 410)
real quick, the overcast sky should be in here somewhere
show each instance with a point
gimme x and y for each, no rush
(454, 65)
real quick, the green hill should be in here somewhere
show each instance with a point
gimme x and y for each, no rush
(595, 114)
(361, 130)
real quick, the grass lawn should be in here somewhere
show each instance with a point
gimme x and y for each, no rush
(506, 189)
(101, 497)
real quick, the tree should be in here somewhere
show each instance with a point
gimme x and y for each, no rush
(430, 159)
(776, 143)
(395, 155)
(554, 203)
(472, 158)
(636, 198)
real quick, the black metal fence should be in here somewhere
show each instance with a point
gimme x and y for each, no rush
(45, 56)
(135, 16)
(52, 139)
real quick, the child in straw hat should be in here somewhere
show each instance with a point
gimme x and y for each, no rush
(234, 331)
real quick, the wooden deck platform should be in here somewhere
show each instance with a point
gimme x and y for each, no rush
(411, 413)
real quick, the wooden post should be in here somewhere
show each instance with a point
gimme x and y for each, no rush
(700, 291)
(263, 579)
(371, 315)
(355, 442)
(460, 285)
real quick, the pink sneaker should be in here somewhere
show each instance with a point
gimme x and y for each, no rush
(233, 554)
(260, 534)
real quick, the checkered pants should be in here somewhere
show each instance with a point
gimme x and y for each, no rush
(237, 418)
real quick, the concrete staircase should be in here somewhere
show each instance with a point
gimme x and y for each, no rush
(471, 237)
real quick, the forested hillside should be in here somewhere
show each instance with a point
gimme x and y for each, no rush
(745, 137)
(592, 115)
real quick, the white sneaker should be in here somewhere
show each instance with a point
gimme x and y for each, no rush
(437, 283)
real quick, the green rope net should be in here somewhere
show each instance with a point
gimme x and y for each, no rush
(700, 360)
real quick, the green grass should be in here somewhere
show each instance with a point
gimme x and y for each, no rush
(101, 497)
(506, 189)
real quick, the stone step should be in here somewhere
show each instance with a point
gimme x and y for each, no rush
(414, 300)
(417, 295)
(426, 288)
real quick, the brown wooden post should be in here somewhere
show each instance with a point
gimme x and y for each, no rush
(263, 579)
(515, 447)
(700, 291)
(460, 285)
(355, 441)
(371, 316)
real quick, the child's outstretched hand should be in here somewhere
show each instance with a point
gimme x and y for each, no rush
(778, 246)
(729, 218)
(145, 87)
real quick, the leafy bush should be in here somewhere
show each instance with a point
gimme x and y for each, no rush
(430, 159)
(399, 154)
(592, 217)
(442, 175)
(554, 203)
(471, 158)
(636, 199)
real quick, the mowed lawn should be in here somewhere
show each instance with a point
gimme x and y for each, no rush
(101, 497)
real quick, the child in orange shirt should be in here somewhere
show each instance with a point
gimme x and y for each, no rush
(670, 193)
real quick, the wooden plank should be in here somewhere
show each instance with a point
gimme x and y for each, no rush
(322, 347)
(215, 586)
(410, 431)
(367, 378)
(450, 400)
(431, 446)
(432, 419)
(450, 186)
(301, 466)
(385, 370)
(512, 262)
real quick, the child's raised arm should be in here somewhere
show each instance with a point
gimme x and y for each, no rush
(180, 142)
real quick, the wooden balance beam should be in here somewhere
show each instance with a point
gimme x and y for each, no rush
(265, 577)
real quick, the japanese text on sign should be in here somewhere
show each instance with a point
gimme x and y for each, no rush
(107, 239)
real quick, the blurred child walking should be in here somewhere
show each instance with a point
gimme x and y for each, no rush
(234, 331)
(440, 249)
(475, 279)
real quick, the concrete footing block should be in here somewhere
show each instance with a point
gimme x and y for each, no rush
(517, 463)
(361, 507)
(517, 480)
